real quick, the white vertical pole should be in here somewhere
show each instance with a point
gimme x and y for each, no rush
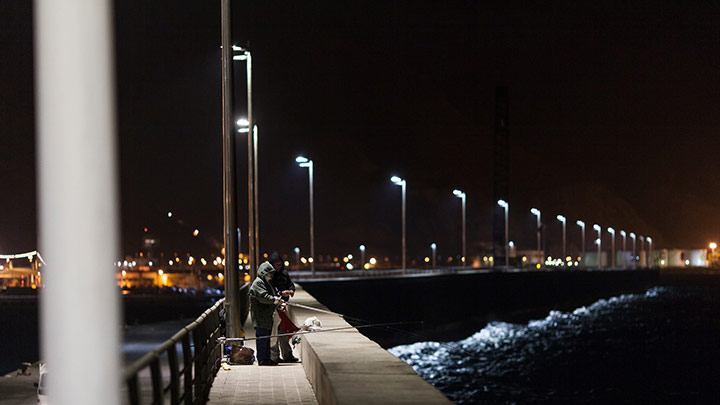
(77, 188)
(312, 220)
(404, 238)
(464, 235)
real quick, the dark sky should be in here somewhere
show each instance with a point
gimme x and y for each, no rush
(613, 119)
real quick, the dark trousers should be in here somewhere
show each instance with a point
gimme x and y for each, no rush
(263, 345)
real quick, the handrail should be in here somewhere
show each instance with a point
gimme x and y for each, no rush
(204, 358)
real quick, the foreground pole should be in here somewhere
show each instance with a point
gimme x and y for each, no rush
(77, 189)
(232, 275)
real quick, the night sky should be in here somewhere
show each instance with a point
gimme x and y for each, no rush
(613, 120)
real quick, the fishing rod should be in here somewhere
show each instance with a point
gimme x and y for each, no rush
(386, 326)
(225, 339)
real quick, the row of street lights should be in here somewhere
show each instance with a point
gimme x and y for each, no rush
(581, 224)
(307, 163)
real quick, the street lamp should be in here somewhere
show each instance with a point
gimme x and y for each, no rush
(434, 254)
(649, 255)
(624, 254)
(612, 249)
(536, 212)
(305, 162)
(403, 184)
(581, 224)
(505, 205)
(362, 256)
(599, 244)
(712, 247)
(564, 222)
(254, 223)
(243, 54)
(642, 247)
(463, 197)
(297, 258)
(632, 235)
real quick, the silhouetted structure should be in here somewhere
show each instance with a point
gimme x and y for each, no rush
(501, 169)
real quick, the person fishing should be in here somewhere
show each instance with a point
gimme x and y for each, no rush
(264, 300)
(280, 350)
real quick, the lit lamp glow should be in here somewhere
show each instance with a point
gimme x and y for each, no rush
(506, 206)
(459, 194)
(307, 163)
(403, 184)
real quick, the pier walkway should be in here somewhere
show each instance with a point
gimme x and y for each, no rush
(285, 383)
(340, 367)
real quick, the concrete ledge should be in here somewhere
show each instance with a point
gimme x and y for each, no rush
(345, 367)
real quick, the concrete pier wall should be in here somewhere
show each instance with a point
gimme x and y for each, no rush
(345, 367)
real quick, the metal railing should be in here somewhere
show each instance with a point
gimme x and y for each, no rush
(185, 386)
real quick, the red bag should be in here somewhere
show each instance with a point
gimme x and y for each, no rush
(286, 325)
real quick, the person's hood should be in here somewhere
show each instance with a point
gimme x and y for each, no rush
(265, 269)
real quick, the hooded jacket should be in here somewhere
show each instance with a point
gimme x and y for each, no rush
(262, 298)
(282, 281)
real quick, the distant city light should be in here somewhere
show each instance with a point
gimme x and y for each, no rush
(349, 266)
(150, 263)
(243, 122)
(122, 272)
(160, 272)
(350, 256)
(713, 245)
(362, 247)
(301, 159)
(427, 259)
(169, 214)
(209, 277)
(373, 260)
(196, 232)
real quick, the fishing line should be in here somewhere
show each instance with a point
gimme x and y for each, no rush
(384, 326)
(225, 339)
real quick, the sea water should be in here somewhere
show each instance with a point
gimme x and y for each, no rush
(659, 346)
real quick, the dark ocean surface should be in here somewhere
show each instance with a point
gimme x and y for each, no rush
(660, 346)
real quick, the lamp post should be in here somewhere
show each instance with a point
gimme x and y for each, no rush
(297, 258)
(434, 255)
(564, 222)
(463, 197)
(362, 257)
(243, 54)
(624, 254)
(632, 235)
(642, 247)
(649, 255)
(612, 248)
(505, 205)
(581, 224)
(305, 162)
(536, 212)
(599, 244)
(403, 184)
(231, 237)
